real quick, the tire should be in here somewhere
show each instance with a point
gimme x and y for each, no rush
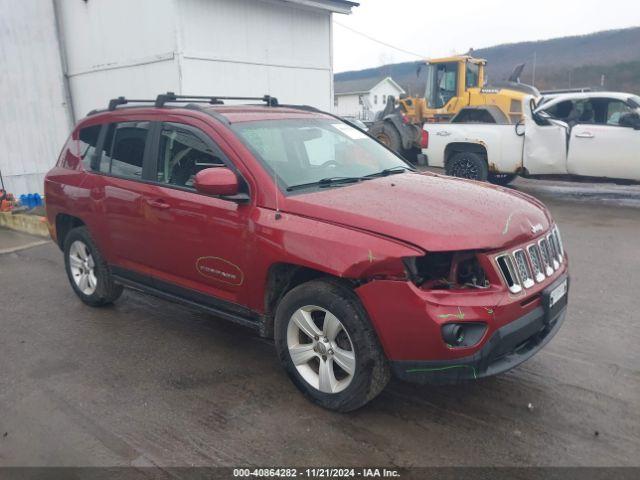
(387, 134)
(467, 165)
(351, 342)
(501, 178)
(411, 155)
(87, 270)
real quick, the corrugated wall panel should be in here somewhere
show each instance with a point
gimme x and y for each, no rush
(33, 113)
(118, 47)
(94, 90)
(289, 85)
(107, 33)
(249, 47)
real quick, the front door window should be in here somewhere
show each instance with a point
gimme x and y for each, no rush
(182, 154)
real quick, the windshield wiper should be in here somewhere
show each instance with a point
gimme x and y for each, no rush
(391, 171)
(326, 182)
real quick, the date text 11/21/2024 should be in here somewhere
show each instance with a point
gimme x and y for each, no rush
(315, 473)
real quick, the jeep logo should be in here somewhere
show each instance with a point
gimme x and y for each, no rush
(536, 228)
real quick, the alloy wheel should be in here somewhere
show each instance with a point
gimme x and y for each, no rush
(82, 267)
(464, 168)
(321, 349)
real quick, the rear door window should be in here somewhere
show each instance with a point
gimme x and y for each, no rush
(127, 149)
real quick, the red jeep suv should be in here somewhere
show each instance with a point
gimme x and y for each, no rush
(292, 222)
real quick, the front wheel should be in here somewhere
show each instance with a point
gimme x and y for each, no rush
(467, 165)
(387, 134)
(328, 347)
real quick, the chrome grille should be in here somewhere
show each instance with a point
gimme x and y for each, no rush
(523, 267)
(524, 271)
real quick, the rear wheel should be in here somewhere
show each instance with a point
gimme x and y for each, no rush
(328, 347)
(467, 165)
(88, 272)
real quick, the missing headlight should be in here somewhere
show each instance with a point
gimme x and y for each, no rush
(447, 270)
(471, 274)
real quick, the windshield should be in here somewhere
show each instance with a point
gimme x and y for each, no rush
(317, 152)
(442, 79)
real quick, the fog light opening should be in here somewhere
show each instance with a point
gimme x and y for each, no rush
(465, 334)
(453, 334)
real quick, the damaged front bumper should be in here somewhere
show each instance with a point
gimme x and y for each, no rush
(508, 347)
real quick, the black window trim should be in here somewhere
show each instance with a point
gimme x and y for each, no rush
(244, 185)
(97, 156)
(150, 159)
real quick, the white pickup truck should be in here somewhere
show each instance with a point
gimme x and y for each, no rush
(587, 134)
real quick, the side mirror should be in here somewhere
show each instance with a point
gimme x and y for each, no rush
(216, 181)
(630, 120)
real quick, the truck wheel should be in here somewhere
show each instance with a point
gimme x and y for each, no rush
(467, 165)
(328, 347)
(501, 178)
(88, 273)
(387, 134)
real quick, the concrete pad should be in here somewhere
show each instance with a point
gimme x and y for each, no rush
(12, 241)
(149, 382)
(602, 193)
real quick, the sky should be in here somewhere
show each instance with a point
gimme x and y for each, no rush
(428, 28)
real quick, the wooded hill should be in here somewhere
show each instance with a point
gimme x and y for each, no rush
(611, 57)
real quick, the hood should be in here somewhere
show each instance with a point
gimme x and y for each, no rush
(432, 212)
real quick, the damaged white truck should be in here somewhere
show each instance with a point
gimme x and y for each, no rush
(586, 134)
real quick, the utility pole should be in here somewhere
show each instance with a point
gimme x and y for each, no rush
(533, 80)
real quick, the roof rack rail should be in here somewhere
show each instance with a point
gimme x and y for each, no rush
(171, 97)
(214, 100)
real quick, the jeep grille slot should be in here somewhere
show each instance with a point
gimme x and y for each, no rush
(546, 256)
(523, 268)
(555, 235)
(555, 257)
(536, 262)
(509, 273)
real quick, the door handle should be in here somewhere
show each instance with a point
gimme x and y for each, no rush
(161, 204)
(585, 135)
(443, 133)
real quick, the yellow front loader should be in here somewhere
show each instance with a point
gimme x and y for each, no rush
(455, 86)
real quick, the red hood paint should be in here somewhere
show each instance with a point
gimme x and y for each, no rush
(432, 212)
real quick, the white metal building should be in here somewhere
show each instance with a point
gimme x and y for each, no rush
(63, 58)
(362, 99)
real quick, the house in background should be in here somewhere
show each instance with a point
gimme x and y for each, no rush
(364, 98)
(62, 58)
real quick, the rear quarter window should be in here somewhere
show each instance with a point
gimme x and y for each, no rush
(87, 144)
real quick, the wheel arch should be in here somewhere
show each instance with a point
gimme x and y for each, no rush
(282, 277)
(459, 147)
(64, 224)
